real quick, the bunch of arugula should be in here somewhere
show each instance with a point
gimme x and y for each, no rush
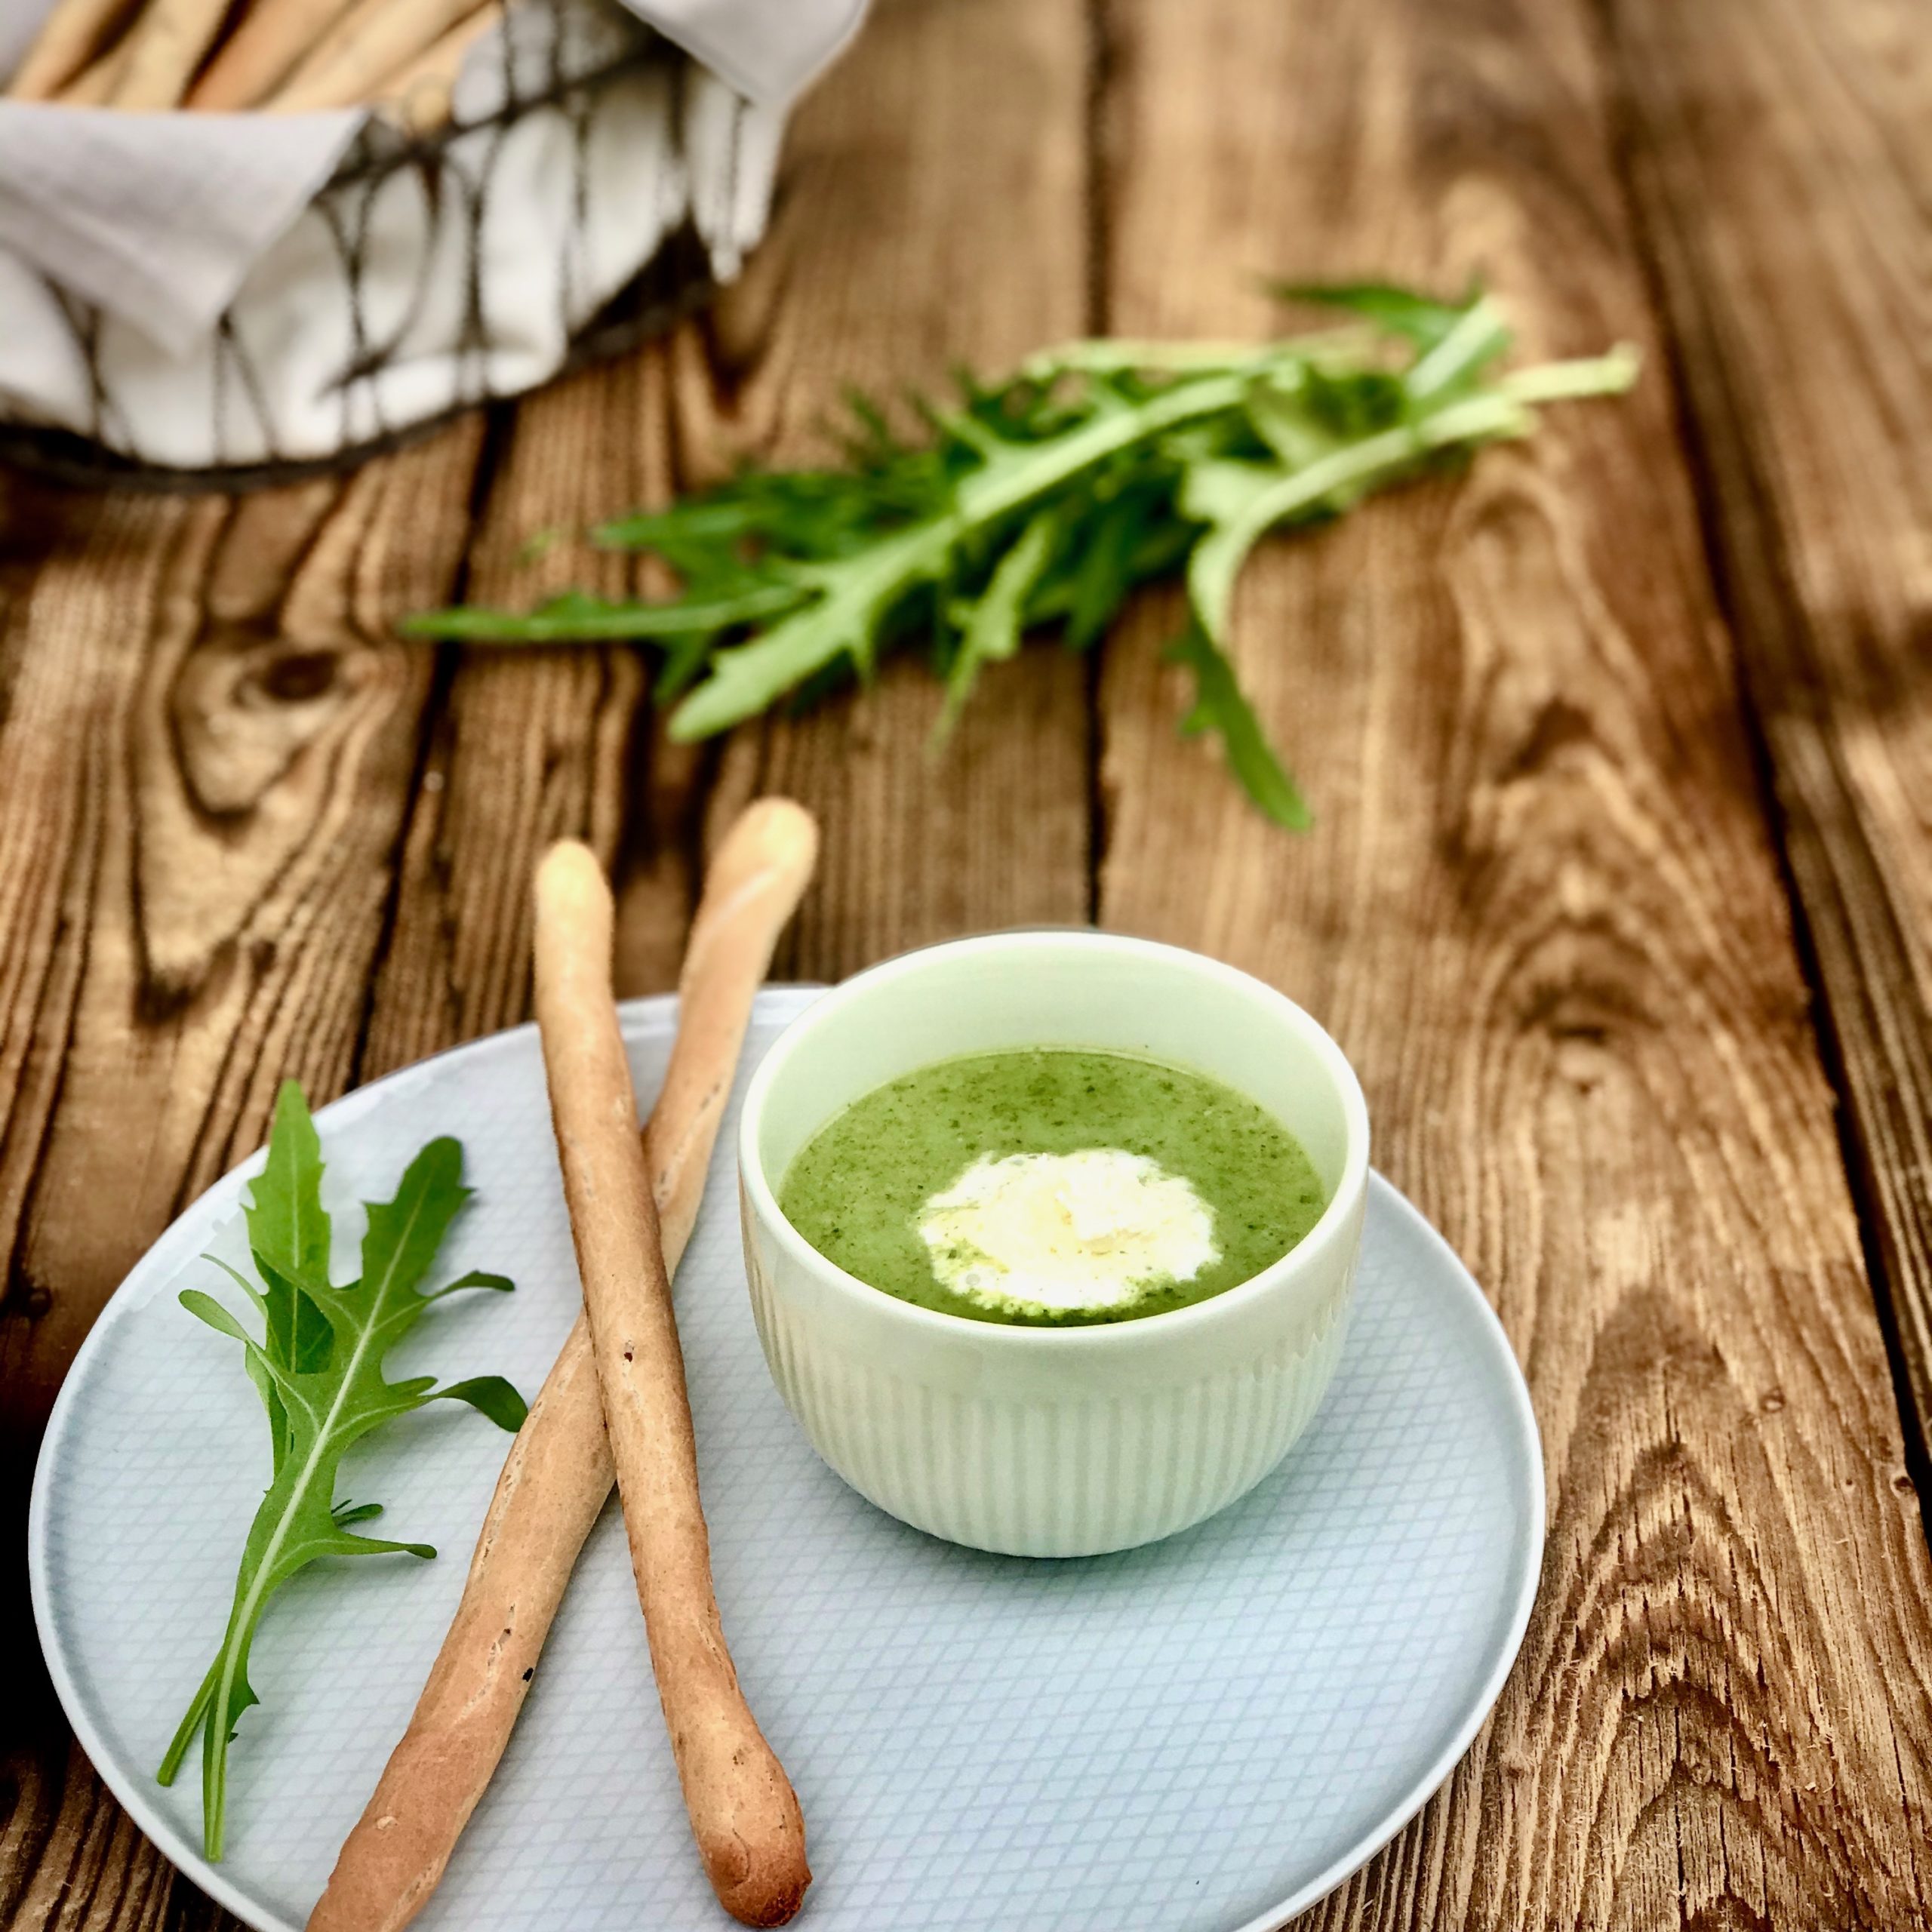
(319, 1368)
(1045, 500)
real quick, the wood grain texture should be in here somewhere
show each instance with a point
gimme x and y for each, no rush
(1541, 911)
(528, 746)
(934, 213)
(210, 732)
(884, 266)
(209, 739)
(244, 832)
(1781, 156)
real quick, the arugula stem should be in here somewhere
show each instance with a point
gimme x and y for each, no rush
(746, 678)
(1479, 335)
(1609, 374)
(232, 1660)
(1392, 450)
(985, 496)
(1108, 355)
(184, 1733)
(1048, 496)
(607, 620)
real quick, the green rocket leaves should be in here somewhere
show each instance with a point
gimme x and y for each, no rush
(319, 1367)
(1043, 501)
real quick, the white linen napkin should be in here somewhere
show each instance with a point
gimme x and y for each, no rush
(166, 224)
(769, 54)
(157, 217)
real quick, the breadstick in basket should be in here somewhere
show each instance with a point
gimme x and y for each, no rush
(163, 48)
(421, 94)
(558, 1473)
(70, 37)
(262, 52)
(370, 41)
(744, 1813)
(91, 87)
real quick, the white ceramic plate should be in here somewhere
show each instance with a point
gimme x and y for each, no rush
(1205, 1734)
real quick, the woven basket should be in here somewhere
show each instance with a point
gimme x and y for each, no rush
(603, 186)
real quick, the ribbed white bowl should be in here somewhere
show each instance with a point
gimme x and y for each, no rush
(1066, 1442)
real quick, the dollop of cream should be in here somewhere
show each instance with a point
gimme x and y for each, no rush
(1051, 1233)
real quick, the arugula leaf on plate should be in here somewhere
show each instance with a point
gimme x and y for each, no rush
(317, 1365)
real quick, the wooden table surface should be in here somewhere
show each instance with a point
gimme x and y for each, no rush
(1620, 895)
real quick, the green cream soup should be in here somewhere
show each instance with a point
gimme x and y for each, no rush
(1053, 1187)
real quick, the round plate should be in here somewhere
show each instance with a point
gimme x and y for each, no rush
(1209, 1733)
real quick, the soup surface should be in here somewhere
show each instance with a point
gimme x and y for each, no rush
(1052, 1186)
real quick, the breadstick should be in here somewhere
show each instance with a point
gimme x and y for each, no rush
(70, 37)
(559, 1473)
(421, 94)
(165, 46)
(91, 87)
(374, 37)
(262, 52)
(743, 1812)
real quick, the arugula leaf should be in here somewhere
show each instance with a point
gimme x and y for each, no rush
(1219, 706)
(1238, 504)
(287, 1227)
(1111, 559)
(490, 1396)
(577, 616)
(993, 625)
(289, 1235)
(1047, 498)
(858, 592)
(842, 624)
(1399, 311)
(325, 1389)
(1479, 338)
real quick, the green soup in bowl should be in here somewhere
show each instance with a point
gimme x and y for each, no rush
(1051, 1236)
(1053, 1187)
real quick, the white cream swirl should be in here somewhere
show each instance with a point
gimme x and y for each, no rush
(1054, 1233)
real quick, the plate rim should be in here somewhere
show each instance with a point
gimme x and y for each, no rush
(656, 1013)
(1529, 1579)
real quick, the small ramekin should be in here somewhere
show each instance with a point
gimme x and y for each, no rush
(1052, 1441)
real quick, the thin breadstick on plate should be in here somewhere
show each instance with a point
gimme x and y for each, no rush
(70, 37)
(744, 1813)
(558, 1474)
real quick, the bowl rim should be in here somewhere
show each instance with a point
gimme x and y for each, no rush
(1336, 1223)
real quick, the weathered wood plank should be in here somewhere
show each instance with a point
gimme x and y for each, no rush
(887, 261)
(1781, 156)
(529, 746)
(208, 741)
(521, 748)
(1541, 910)
(935, 214)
